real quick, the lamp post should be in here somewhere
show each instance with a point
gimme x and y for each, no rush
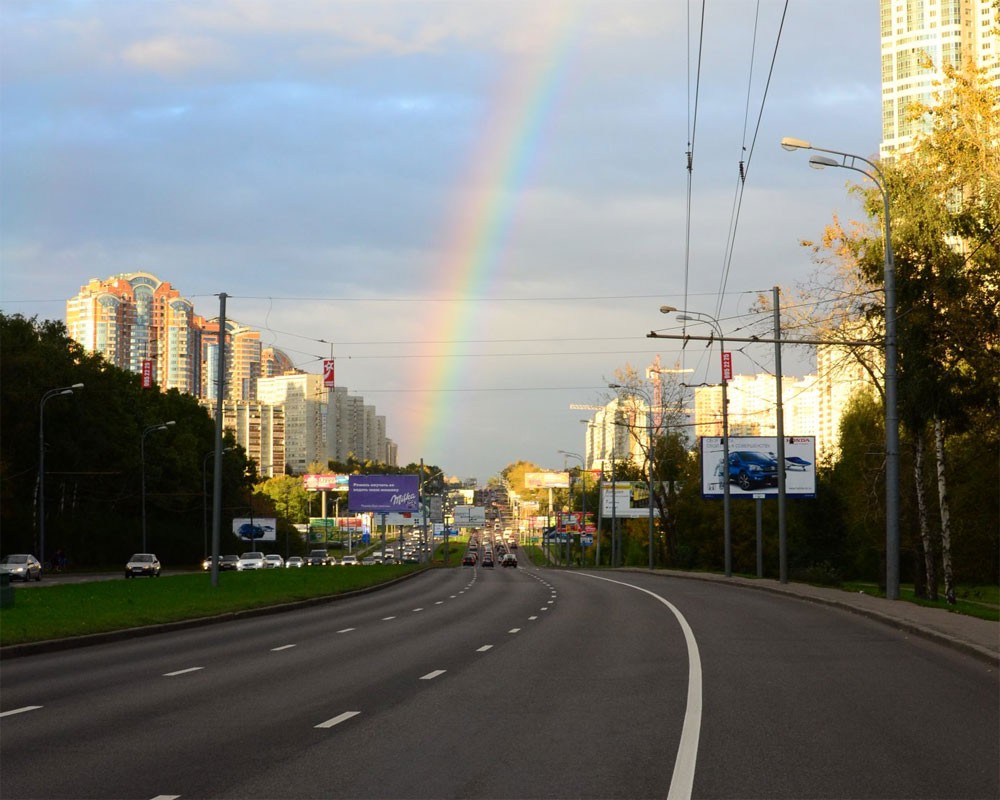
(204, 490)
(63, 390)
(162, 426)
(849, 161)
(583, 501)
(698, 316)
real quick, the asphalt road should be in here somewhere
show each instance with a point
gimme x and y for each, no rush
(509, 684)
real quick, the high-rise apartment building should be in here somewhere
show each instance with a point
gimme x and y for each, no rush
(305, 401)
(259, 429)
(919, 37)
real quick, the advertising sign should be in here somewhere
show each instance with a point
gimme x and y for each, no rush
(753, 466)
(383, 493)
(626, 499)
(325, 483)
(328, 373)
(258, 529)
(435, 508)
(336, 529)
(546, 480)
(727, 366)
(469, 516)
(407, 519)
(147, 374)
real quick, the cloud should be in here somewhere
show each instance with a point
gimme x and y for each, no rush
(175, 54)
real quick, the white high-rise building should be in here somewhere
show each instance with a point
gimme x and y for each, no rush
(305, 400)
(919, 37)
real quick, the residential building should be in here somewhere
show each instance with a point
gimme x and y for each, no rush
(259, 429)
(305, 401)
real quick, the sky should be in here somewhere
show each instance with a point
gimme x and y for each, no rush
(477, 207)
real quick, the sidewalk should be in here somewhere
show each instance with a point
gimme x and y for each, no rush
(976, 637)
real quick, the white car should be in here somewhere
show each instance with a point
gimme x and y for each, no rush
(273, 561)
(294, 562)
(349, 561)
(252, 560)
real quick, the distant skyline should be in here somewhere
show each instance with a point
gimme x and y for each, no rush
(477, 207)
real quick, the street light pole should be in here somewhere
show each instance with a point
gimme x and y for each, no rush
(162, 426)
(63, 390)
(698, 316)
(204, 491)
(849, 161)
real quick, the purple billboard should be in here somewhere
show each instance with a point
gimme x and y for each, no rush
(383, 493)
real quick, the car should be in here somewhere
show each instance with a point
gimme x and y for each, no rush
(411, 558)
(317, 558)
(250, 560)
(509, 560)
(143, 564)
(368, 561)
(488, 561)
(229, 563)
(294, 562)
(250, 530)
(748, 469)
(206, 563)
(21, 566)
(349, 561)
(468, 560)
(273, 561)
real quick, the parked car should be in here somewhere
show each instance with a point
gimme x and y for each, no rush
(294, 562)
(349, 561)
(317, 558)
(273, 561)
(749, 469)
(509, 560)
(143, 564)
(250, 560)
(21, 566)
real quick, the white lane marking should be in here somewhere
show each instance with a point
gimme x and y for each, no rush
(550, 602)
(166, 797)
(544, 609)
(533, 617)
(432, 675)
(386, 619)
(439, 602)
(484, 648)
(346, 630)
(418, 609)
(20, 710)
(452, 597)
(283, 647)
(514, 630)
(181, 672)
(687, 751)
(338, 719)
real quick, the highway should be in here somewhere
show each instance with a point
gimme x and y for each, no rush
(509, 683)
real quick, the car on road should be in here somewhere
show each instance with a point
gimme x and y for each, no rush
(273, 561)
(468, 560)
(250, 561)
(368, 561)
(143, 564)
(509, 560)
(748, 469)
(229, 563)
(22, 567)
(488, 561)
(294, 562)
(317, 558)
(349, 561)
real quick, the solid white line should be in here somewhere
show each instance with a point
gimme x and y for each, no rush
(346, 630)
(338, 719)
(181, 672)
(283, 647)
(432, 675)
(484, 648)
(514, 630)
(687, 751)
(19, 711)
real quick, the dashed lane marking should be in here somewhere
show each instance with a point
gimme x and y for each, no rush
(181, 672)
(338, 719)
(432, 675)
(20, 710)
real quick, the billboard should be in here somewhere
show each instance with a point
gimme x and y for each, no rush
(753, 466)
(325, 483)
(336, 529)
(383, 493)
(256, 529)
(626, 499)
(469, 516)
(546, 480)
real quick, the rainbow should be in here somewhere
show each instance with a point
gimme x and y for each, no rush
(485, 201)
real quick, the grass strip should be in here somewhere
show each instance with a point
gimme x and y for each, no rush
(78, 609)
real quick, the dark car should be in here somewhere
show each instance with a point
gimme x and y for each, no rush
(468, 560)
(317, 558)
(230, 562)
(143, 564)
(748, 469)
(21, 566)
(488, 561)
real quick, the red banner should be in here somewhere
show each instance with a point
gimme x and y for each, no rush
(727, 366)
(147, 374)
(328, 373)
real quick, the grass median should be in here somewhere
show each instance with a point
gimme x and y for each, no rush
(78, 609)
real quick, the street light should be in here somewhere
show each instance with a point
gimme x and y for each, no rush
(698, 316)
(204, 490)
(583, 502)
(162, 426)
(63, 390)
(849, 161)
